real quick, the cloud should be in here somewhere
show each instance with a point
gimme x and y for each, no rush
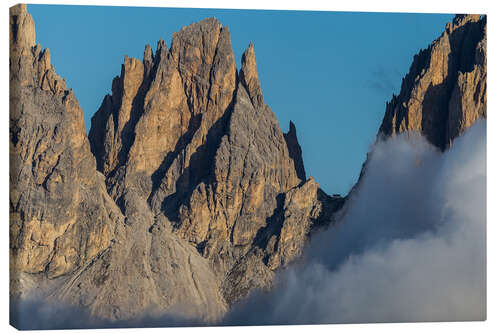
(410, 247)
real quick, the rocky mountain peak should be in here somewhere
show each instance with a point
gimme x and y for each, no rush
(196, 76)
(22, 32)
(445, 90)
(249, 76)
(460, 20)
(206, 156)
(69, 239)
(186, 192)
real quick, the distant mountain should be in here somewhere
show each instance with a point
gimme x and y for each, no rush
(186, 195)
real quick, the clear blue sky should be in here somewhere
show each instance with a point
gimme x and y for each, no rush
(331, 73)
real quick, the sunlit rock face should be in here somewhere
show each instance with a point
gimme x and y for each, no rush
(444, 92)
(60, 213)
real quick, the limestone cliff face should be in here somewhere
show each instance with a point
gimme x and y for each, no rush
(60, 213)
(185, 196)
(444, 92)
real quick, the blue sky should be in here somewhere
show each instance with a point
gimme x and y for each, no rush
(331, 73)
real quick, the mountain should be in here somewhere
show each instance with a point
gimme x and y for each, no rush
(185, 196)
(192, 140)
(444, 92)
(60, 213)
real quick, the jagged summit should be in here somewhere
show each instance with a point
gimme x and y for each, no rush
(250, 78)
(199, 62)
(186, 194)
(206, 154)
(445, 90)
(22, 35)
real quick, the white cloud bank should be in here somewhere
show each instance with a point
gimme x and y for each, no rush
(410, 247)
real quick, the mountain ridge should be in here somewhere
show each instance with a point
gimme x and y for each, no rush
(444, 92)
(185, 195)
(200, 179)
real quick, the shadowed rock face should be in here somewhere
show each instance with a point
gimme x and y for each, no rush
(185, 196)
(295, 151)
(445, 91)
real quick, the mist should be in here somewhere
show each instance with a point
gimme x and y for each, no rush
(409, 246)
(39, 313)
